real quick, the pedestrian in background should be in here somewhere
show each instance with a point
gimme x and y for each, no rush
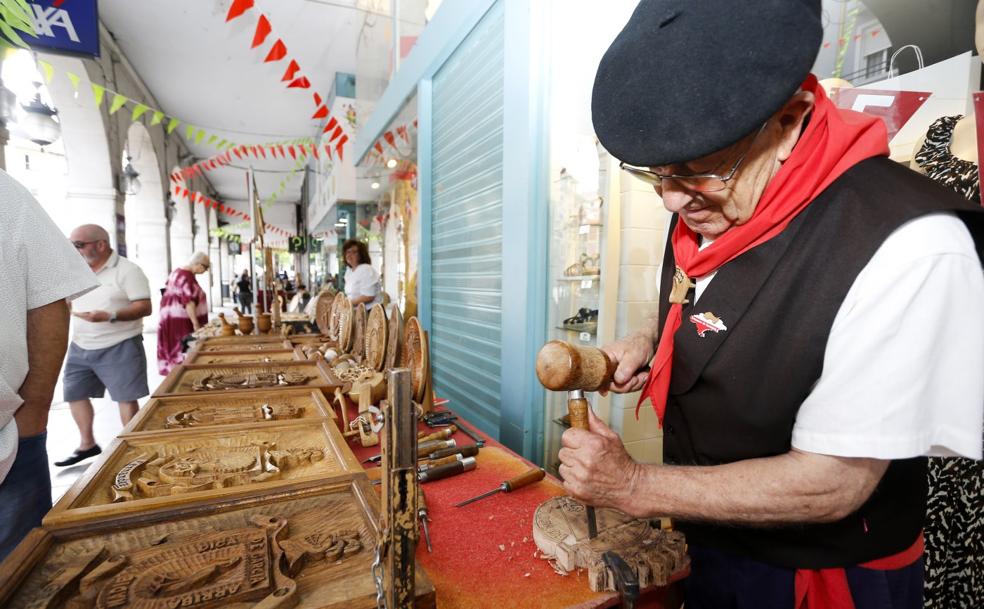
(107, 350)
(183, 310)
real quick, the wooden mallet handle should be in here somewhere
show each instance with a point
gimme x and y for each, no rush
(577, 410)
(562, 366)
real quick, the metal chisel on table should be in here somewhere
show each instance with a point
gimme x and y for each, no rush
(525, 479)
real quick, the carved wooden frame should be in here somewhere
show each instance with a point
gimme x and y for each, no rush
(76, 508)
(241, 343)
(174, 383)
(150, 414)
(211, 358)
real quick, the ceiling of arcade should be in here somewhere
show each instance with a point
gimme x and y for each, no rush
(202, 69)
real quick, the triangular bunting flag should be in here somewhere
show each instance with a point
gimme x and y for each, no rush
(118, 101)
(321, 112)
(263, 30)
(212, 139)
(156, 118)
(335, 134)
(221, 144)
(273, 151)
(328, 150)
(238, 8)
(378, 147)
(98, 91)
(75, 80)
(402, 132)
(292, 69)
(317, 99)
(262, 151)
(277, 52)
(237, 153)
(138, 111)
(293, 153)
(314, 151)
(189, 132)
(172, 125)
(338, 147)
(390, 139)
(300, 83)
(331, 125)
(47, 69)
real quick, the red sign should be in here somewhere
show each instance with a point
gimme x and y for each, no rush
(979, 114)
(895, 108)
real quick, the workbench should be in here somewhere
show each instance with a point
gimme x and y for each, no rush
(484, 554)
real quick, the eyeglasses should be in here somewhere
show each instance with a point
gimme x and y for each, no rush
(80, 244)
(698, 182)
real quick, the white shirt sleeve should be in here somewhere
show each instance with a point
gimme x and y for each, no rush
(363, 280)
(903, 371)
(134, 282)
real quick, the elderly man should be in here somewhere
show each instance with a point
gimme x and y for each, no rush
(39, 272)
(107, 340)
(819, 330)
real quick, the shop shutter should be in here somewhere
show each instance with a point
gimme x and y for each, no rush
(466, 225)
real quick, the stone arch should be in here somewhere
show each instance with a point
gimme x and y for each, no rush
(146, 224)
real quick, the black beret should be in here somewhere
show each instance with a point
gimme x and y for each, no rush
(686, 78)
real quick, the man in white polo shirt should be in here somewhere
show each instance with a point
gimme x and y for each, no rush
(40, 271)
(107, 339)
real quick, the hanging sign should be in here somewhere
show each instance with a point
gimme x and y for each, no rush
(65, 26)
(297, 244)
(895, 108)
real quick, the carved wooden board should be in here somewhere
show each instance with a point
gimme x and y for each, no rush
(276, 407)
(241, 343)
(375, 351)
(199, 379)
(323, 312)
(147, 472)
(560, 530)
(394, 342)
(415, 356)
(358, 331)
(311, 549)
(243, 357)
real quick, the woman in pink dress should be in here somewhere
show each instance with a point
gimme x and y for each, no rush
(183, 310)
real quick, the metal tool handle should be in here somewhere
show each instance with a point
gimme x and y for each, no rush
(525, 479)
(577, 410)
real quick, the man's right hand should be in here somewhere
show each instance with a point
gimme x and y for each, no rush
(632, 353)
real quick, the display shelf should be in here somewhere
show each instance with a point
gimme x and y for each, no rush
(571, 330)
(580, 278)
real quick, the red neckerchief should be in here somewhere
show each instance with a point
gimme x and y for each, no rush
(833, 141)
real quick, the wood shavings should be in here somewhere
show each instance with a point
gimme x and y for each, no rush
(526, 574)
(502, 547)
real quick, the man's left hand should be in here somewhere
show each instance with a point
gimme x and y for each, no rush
(93, 316)
(595, 466)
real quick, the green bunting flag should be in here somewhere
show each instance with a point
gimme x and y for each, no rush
(47, 69)
(75, 80)
(172, 125)
(118, 101)
(139, 111)
(189, 132)
(199, 136)
(157, 118)
(98, 91)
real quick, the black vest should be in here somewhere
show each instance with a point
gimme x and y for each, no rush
(734, 394)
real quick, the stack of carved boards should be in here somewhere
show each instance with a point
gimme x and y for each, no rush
(232, 487)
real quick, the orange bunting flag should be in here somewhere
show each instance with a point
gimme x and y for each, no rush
(263, 30)
(238, 8)
(252, 151)
(335, 134)
(300, 83)
(281, 148)
(292, 69)
(388, 136)
(277, 52)
(238, 154)
(273, 151)
(262, 152)
(293, 153)
(314, 151)
(338, 146)
(402, 132)
(378, 147)
(317, 99)
(322, 112)
(331, 125)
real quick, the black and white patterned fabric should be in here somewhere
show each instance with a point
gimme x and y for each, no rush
(955, 514)
(939, 163)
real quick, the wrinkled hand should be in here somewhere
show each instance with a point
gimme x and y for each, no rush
(93, 316)
(630, 353)
(596, 468)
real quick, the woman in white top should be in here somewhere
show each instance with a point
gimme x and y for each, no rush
(361, 280)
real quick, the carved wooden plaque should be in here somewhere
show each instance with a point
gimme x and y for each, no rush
(342, 322)
(375, 351)
(276, 407)
(200, 379)
(147, 472)
(358, 331)
(335, 312)
(243, 357)
(309, 549)
(241, 343)
(323, 312)
(415, 356)
(394, 341)
(560, 530)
